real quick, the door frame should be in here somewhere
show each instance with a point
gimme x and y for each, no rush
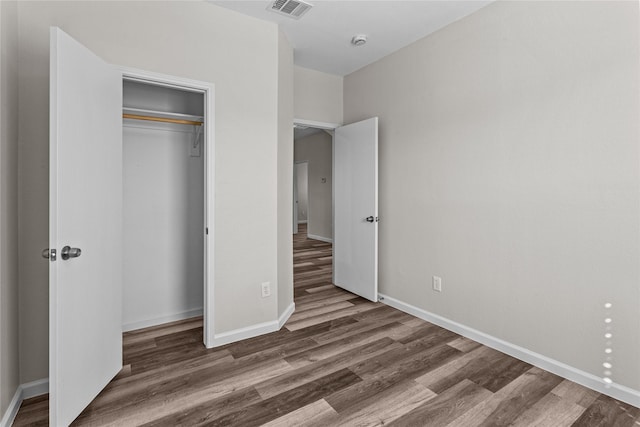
(208, 150)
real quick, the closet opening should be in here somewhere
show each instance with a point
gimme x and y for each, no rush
(167, 157)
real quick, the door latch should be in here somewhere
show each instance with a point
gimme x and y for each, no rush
(49, 254)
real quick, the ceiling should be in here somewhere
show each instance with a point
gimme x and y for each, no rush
(322, 37)
(301, 132)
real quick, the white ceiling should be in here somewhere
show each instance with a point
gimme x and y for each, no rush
(322, 37)
(301, 132)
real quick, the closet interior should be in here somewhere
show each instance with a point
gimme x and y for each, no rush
(163, 180)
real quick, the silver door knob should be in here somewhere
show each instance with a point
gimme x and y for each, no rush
(370, 219)
(69, 252)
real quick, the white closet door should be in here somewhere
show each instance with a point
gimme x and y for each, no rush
(85, 196)
(355, 232)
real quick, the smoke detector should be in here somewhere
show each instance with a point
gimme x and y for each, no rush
(291, 8)
(359, 40)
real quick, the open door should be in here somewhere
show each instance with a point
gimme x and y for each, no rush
(85, 227)
(355, 234)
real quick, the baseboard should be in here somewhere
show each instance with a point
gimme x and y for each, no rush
(253, 330)
(617, 391)
(12, 409)
(322, 239)
(302, 221)
(160, 320)
(285, 315)
(245, 333)
(35, 388)
(24, 391)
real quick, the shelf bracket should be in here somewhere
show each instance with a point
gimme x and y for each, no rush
(195, 148)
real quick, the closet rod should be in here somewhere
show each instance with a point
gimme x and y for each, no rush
(161, 119)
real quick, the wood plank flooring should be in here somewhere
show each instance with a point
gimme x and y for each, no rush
(339, 361)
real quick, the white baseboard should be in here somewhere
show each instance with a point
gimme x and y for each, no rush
(285, 315)
(253, 330)
(322, 239)
(617, 391)
(35, 388)
(24, 391)
(12, 409)
(160, 320)
(244, 333)
(302, 221)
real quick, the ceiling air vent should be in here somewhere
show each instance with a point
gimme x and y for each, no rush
(291, 8)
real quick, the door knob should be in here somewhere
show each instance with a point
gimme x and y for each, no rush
(370, 219)
(69, 252)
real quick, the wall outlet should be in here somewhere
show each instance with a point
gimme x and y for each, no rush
(266, 289)
(437, 283)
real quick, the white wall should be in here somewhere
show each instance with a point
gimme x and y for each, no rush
(9, 362)
(302, 177)
(285, 174)
(509, 167)
(187, 39)
(317, 96)
(317, 150)
(163, 227)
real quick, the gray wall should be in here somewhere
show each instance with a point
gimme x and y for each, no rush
(168, 38)
(302, 177)
(285, 174)
(317, 150)
(9, 362)
(509, 167)
(317, 96)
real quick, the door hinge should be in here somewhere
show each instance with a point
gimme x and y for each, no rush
(207, 230)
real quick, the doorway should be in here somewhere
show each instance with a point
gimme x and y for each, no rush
(313, 202)
(163, 204)
(350, 220)
(167, 201)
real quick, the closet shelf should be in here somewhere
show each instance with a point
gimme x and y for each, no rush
(161, 116)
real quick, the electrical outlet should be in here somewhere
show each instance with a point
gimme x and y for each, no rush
(437, 283)
(266, 289)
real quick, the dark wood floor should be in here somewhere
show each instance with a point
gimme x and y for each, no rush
(339, 361)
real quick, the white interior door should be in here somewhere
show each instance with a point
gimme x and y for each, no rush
(85, 202)
(355, 234)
